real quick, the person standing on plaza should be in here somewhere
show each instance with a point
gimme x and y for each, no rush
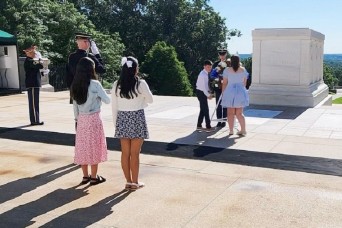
(235, 95)
(216, 84)
(84, 43)
(45, 71)
(33, 83)
(202, 92)
(130, 95)
(90, 144)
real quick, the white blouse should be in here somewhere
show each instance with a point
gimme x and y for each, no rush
(123, 104)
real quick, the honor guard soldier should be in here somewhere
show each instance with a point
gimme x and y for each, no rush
(84, 43)
(33, 83)
(215, 79)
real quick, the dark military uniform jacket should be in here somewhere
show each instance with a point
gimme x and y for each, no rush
(73, 60)
(213, 74)
(32, 74)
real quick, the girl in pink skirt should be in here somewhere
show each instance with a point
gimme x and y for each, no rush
(90, 146)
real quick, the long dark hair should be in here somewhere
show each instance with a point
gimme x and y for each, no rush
(85, 71)
(235, 62)
(128, 81)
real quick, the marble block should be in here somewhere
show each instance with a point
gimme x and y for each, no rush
(288, 67)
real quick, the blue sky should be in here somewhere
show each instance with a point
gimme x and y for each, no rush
(324, 16)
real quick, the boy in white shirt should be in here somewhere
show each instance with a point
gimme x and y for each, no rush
(202, 92)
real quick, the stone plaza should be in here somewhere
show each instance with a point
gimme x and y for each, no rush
(286, 172)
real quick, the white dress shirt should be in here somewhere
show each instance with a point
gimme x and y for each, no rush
(203, 82)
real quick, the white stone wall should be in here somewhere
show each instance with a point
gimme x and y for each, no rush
(287, 67)
(9, 69)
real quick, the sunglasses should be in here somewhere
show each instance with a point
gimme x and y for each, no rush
(222, 53)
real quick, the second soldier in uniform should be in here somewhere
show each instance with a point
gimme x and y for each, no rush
(84, 43)
(221, 113)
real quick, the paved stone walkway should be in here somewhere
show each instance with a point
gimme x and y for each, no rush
(285, 173)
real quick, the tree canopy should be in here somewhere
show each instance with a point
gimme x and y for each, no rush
(192, 27)
(119, 27)
(166, 74)
(51, 26)
(329, 77)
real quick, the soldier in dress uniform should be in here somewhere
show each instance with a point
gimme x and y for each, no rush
(216, 83)
(84, 43)
(33, 83)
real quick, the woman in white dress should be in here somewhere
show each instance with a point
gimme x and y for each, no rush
(235, 96)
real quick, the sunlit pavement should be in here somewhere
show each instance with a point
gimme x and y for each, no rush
(286, 172)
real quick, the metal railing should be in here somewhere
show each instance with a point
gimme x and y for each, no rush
(57, 77)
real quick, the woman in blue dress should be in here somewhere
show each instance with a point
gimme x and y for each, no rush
(235, 96)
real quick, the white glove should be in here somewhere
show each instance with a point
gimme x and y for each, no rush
(45, 71)
(37, 55)
(94, 48)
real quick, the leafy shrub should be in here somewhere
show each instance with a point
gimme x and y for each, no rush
(166, 74)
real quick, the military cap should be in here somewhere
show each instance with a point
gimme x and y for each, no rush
(28, 44)
(81, 35)
(31, 48)
(222, 51)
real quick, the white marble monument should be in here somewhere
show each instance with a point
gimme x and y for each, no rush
(288, 67)
(9, 75)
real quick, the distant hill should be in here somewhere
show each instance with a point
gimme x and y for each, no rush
(245, 56)
(327, 57)
(333, 58)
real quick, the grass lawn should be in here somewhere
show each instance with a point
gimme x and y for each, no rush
(337, 101)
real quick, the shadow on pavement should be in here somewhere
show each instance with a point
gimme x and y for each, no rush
(279, 161)
(16, 188)
(84, 217)
(22, 215)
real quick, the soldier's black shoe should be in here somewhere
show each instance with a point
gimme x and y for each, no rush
(38, 123)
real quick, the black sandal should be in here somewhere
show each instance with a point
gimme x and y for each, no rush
(97, 180)
(85, 180)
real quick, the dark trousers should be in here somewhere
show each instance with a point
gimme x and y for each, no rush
(33, 100)
(220, 113)
(204, 109)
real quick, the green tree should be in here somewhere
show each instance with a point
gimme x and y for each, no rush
(51, 26)
(166, 74)
(122, 16)
(247, 63)
(193, 28)
(337, 72)
(328, 76)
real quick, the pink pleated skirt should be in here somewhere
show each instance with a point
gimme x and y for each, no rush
(90, 143)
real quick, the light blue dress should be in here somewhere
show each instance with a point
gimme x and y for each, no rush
(235, 95)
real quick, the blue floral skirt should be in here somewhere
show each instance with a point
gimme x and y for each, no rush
(131, 124)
